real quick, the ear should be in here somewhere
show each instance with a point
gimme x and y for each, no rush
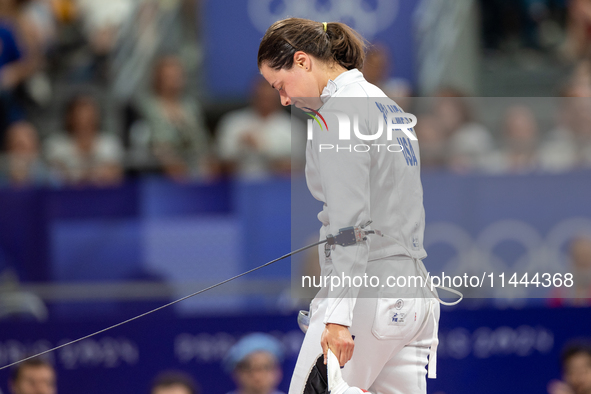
(302, 59)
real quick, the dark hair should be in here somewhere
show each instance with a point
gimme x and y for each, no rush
(573, 348)
(162, 61)
(32, 363)
(245, 363)
(175, 378)
(339, 43)
(72, 105)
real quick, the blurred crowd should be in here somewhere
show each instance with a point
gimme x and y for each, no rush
(253, 363)
(561, 25)
(521, 140)
(94, 92)
(575, 362)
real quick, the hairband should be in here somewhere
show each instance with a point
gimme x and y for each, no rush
(325, 25)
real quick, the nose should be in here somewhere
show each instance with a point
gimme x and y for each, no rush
(285, 100)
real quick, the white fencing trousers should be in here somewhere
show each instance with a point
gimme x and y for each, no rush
(390, 355)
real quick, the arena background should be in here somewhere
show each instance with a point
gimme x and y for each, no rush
(81, 252)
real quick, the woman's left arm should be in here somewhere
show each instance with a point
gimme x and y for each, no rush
(345, 178)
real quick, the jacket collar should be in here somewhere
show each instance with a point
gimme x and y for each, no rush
(344, 79)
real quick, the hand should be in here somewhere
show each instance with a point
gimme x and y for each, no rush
(339, 340)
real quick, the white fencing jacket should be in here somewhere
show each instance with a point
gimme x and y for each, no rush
(357, 184)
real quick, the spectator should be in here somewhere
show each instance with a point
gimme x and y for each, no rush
(469, 141)
(569, 144)
(9, 54)
(576, 370)
(13, 16)
(101, 22)
(22, 165)
(84, 155)
(34, 376)
(20, 17)
(519, 153)
(20, 58)
(578, 83)
(10, 51)
(432, 143)
(377, 69)
(255, 142)
(518, 24)
(581, 79)
(153, 27)
(580, 268)
(254, 363)
(43, 15)
(173, 382)
(578, 30)
(179, 138)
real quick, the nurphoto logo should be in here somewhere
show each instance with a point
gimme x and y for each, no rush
(394, 121)
(401, 121)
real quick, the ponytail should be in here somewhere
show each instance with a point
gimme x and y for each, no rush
(332, 42)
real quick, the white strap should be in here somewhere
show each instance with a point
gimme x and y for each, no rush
(425, 276)
(429, 284)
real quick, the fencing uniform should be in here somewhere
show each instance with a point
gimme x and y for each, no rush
(393, 329)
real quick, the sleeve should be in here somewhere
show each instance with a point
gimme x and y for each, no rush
(9, 51)
(344, 173)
